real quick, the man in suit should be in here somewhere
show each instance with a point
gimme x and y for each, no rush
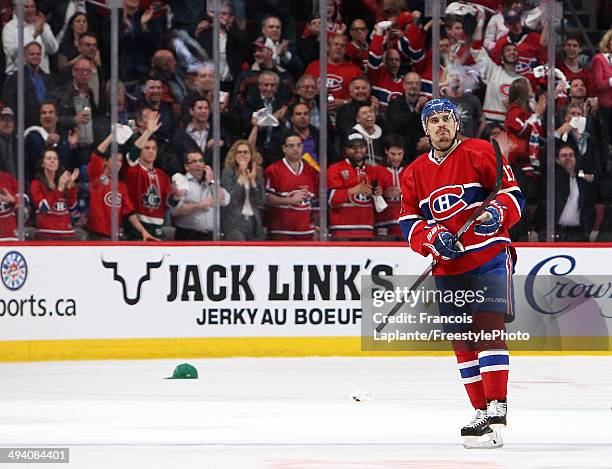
(235, 44)
(37, 84)
(198, 134)
(268, 98)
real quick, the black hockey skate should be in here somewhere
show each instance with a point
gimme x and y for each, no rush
(496, 414)
(478, 426)
(479, 435)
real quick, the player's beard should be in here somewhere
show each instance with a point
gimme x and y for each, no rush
(445, 144)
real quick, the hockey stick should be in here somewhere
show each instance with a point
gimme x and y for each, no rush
(499, 170)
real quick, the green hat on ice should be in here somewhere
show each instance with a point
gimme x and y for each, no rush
(184, 371)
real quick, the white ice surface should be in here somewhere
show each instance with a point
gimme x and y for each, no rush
(298, 414)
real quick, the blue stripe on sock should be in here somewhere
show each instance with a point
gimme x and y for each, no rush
(470, 372)
(491, 360)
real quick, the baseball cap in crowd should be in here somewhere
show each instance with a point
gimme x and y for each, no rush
(512, 16)
(7, 111)
(403, 19)
(354, 139)
(260, 42)
(184, 371)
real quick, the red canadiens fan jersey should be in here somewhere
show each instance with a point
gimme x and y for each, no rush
(531, 53)
(8, 211)
(385, 86)
(576, 72)
(357, 55)
(52, 211)
(412, 45)
(293, 222)
(149, 191)
(350, 216)
(338, 77)
(390, 177)
(519, 125)
(101, 199)
(448, 192)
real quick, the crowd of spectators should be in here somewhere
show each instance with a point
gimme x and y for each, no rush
(493, 56)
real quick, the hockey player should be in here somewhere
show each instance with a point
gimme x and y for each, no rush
(440, 191)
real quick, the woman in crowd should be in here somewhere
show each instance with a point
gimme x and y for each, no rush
(242, 178)
(69, 48)
(601, 65)
(54, 194)
(523, 123)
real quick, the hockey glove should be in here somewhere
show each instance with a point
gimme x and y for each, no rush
(442, 245)
(491, 220)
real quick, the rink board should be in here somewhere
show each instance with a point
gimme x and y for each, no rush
(103, 301)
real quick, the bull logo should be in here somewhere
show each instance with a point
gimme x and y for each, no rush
(141, 280)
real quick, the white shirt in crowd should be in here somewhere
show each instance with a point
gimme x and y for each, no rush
(10, 38)
(201, 219)
(570, 216)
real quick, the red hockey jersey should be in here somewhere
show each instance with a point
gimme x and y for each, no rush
(357, 55)
(149, 191)
(390, 177)
(448, 192)
(338, 77)
(576, 72)
(519, 125)
(52, 211)
(531, 53)
(412, 45)
(350, 216)
(291, 222)
(384, 85)
(8, 210)
(101, 198)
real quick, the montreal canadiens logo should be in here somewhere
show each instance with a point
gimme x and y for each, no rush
(393, 95)
(523, 65)
(14, 270)
(303, 205)
(446, 202)
(334, 82)
(109, 200)
(505, 90)
(59, 206)
(361, 200)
